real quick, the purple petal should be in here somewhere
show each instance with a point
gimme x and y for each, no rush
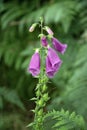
(49, 70)
(34, 66)
(54, 59)
(53, 62)
(44, 41)
(58, 45)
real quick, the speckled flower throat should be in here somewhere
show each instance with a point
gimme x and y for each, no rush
(44, 64)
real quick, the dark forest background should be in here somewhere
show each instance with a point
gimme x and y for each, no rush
(68, 89)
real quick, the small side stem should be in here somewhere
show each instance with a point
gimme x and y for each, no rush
(41, 24)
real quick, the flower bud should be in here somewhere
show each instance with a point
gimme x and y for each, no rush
(44, 88)
(45, 97)
(44, 41)
(49, 30)
(31, 29)
(39, 120)
(40, 112)
(41, 102)
(38, 93)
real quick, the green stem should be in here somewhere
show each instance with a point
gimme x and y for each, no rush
(41, 24)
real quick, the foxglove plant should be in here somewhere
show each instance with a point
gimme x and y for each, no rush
(44, 64)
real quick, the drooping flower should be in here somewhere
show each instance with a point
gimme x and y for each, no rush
(44, 41)
(53, 62)
(34, 66)
(49, 30)
(31, 29)
(58, 45)
(49, 70)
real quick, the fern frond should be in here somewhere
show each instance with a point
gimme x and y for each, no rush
(63, 120)
(11, 15)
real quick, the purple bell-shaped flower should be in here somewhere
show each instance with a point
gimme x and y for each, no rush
(58, 45)
(34, 67)
(53, 62)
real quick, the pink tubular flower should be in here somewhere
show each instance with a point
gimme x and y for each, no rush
(44, 41)
(58, 45)
(53, 62)
(49, 30)
(34, 66)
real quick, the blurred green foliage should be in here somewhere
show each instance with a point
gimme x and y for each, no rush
(68, 89)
